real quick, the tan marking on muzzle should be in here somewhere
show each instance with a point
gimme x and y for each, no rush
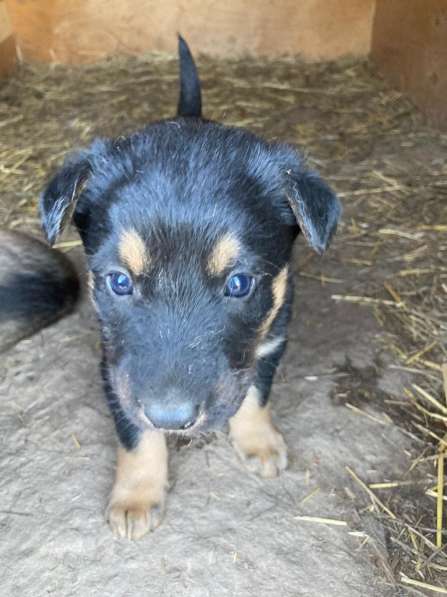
(138, 496)
(133, 252)
(224, 253)
(279, 288)
(255, 438)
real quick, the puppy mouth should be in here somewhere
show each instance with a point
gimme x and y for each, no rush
(198, 425)
(229, 393)
(134, 410)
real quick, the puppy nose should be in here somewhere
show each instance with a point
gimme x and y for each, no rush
(172, 415)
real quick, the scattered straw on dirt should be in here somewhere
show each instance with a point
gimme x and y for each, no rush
(391, 254)
(319, 520)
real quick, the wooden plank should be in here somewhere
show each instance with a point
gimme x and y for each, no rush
(89, 30)
(5, 24)
(7, 43)
(409, 44)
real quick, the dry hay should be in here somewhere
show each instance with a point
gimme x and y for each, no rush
(391, 254)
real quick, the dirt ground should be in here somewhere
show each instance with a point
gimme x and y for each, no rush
(226, 532)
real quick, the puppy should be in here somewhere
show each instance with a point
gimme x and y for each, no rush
(188, 228)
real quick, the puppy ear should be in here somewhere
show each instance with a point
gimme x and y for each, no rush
(58, 200)
(314, 205)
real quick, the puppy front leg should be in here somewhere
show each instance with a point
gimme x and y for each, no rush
(138, 496)
(255, 439)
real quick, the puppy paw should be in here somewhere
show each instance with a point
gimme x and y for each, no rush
(255, 439)
(138, 497)
(132, 519)
(263, 452)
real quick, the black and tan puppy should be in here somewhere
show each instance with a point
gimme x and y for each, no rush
(188, 227)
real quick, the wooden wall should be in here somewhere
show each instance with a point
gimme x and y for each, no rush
(406, 38)
(7, 43)
(76, 31)
(410, 47)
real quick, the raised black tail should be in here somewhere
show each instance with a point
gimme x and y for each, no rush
(190, 100)
(38, 285)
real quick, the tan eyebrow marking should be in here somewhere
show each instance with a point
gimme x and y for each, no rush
(279, 287)
(224, 252)
(133, 252)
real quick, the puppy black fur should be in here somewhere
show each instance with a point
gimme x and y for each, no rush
(196, 206)
(182, 184)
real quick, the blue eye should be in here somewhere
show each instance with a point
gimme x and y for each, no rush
(120, 283)
(239, 285)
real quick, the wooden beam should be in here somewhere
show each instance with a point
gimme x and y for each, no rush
(409, 45)
(7, 43)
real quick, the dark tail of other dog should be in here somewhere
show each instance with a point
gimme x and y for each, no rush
(38, 285)
(190, 101)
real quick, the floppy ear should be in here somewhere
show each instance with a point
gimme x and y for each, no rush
(314, 205)
(58, 200)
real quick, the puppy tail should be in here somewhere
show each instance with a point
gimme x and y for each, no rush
(190, 100)
(38, 286)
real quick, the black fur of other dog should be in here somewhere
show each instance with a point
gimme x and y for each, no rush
(188, 228)
(38, 286)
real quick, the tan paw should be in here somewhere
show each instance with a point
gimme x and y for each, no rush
(265, 456)
(129, 520)
(255, 439)
(137, 502)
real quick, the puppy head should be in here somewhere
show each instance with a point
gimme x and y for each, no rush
(188, 229)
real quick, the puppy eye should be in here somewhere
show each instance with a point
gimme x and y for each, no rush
(239, 285)
(120, 283)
